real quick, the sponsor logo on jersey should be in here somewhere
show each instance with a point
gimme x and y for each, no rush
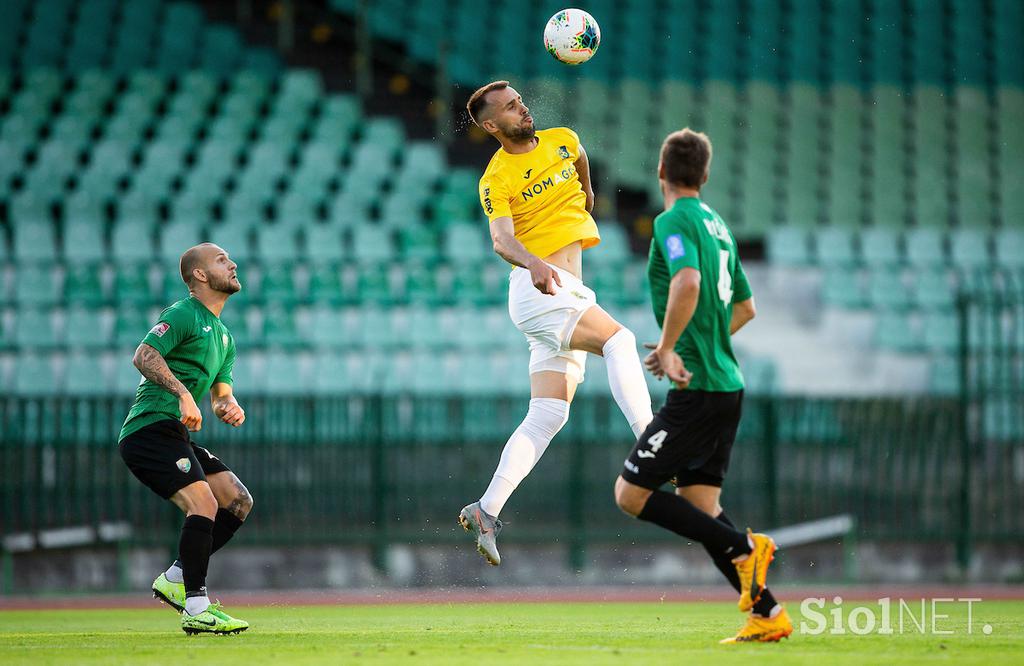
(160, 329)
(184, 464)
(563, 152)
(674, 245)
(207, 329)
(542, 186)
(487, 201)
(527, 174)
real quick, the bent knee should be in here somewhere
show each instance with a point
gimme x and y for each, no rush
(630, 498)
(203, 503)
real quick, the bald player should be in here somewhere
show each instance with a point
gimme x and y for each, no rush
(188, 353)
(537, 194)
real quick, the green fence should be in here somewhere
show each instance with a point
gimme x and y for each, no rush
(365, 469)
(991, 309)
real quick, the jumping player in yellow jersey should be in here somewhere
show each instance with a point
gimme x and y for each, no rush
(537, 194)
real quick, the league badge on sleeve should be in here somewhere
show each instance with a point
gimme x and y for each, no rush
(160, 329)
(184, 464)
(674, 245)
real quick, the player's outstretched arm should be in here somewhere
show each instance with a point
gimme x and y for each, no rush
(225, 406)
(506, 246)
(583, 170)
(154, 368)
(742, 313)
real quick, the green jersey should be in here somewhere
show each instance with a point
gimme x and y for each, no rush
(197, 348)
(692, 235)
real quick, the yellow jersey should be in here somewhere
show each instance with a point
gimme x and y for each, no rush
(541, 192)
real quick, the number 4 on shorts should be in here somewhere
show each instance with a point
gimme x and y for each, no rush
(656, 441)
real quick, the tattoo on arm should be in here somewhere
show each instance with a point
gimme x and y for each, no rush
(154, 368)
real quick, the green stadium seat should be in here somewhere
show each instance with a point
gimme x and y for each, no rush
(277, 243)
(279, 330)
(1010, 144)
(803, 184)
(372, 244)
(933, 290)
(925, 248)
(131, 242)
(35, 376)
(221, 50)
(929, 187)
(176, 237)
(972, 114)
(325, 285)
(887, 291)
(969, 248)
(466, 243)
(835, 247)
(887, 181)
(327, 330)
(944, 376)
(86, 329)
(1009, 246)
(880, 248)
(788, 246)
(37, 284)
(277, 284)
(941, 332)
(845, 159)
(84, 375)
(34, 329)
(332, 377)
(418, 243)
(131, 287)
(83, 242)
(896, 332)
(83, 285)
(843, 288)
(613, 249)
(34, 240)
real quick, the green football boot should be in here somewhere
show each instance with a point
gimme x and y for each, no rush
(172, 594)
(212, 621)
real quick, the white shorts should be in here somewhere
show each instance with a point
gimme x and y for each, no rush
(548, 321)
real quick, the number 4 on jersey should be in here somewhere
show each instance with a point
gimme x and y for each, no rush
(656, 441)
(724, 278)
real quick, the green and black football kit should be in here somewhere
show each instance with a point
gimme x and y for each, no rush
(154, 443)
(691, 437)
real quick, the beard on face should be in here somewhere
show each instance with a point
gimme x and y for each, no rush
(519, 133)
(224, 284)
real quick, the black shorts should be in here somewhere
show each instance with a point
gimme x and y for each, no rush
(163, 456)
(689, 441)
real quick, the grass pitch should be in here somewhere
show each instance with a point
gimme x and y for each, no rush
(527, 633)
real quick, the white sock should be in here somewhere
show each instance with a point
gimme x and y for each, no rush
(524, 448)
(196, 605)
(626, 378)
(174, 574)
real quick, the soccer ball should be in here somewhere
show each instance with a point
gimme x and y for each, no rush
(572, 36)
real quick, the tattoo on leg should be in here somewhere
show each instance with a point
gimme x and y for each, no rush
(242, 503)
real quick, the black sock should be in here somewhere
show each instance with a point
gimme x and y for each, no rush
(680, 516)
(765, 604)
(724, 562)
(194, 553)
(224, 527)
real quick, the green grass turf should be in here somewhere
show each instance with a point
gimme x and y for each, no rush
(562, 634)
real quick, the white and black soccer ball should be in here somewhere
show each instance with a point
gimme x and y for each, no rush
(572, 36)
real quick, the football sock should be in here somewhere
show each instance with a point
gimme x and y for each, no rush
(173, 572)
(196, 605)
(766, 606)
(224, 527)
(194, 552)
(524, 448)
(626, 379)
(724, 562)
(678, 515)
